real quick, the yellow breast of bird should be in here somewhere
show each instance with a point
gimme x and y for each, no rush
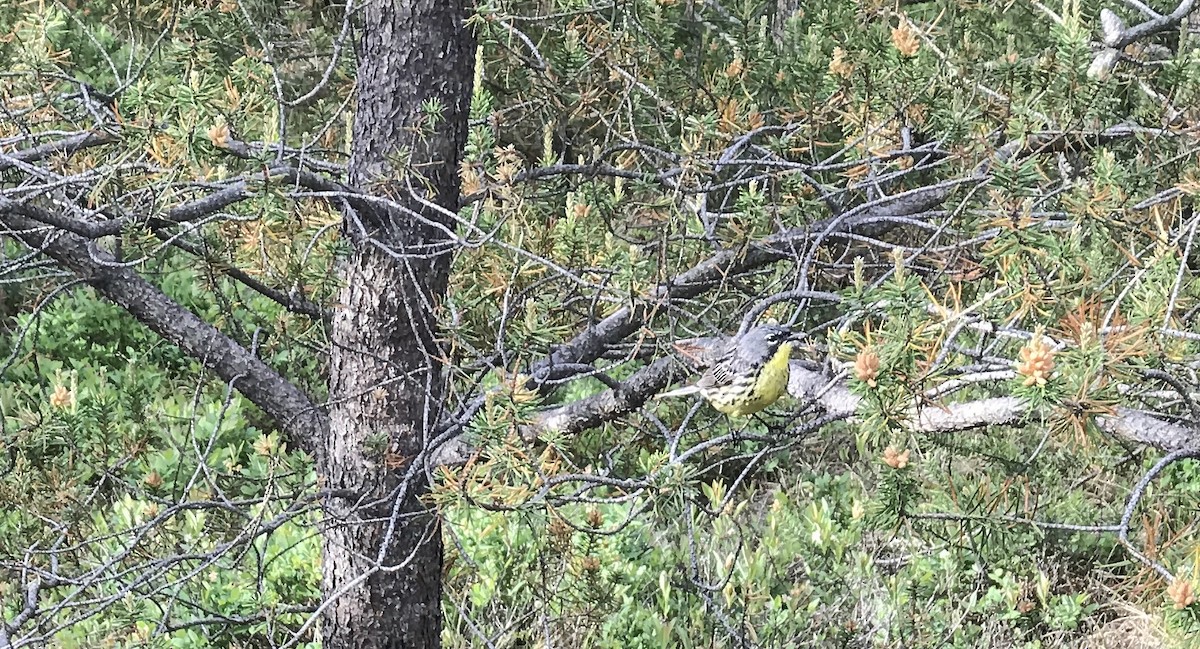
(772, 383)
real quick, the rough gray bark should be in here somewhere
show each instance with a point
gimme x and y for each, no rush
(382, 551)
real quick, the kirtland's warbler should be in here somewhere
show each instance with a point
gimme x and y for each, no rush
(747, 374)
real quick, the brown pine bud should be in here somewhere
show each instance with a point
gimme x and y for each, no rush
(866, 366)
(895, 459)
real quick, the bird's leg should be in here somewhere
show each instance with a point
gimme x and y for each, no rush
(737, 425)
(773, 430)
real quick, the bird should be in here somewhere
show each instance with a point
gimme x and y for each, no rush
(747, 373)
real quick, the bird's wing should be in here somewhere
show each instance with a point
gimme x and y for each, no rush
(721, 372)
(715, 353)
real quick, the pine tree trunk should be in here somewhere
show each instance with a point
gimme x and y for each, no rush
(382, 558)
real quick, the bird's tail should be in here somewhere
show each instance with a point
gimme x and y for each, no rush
(681, 392)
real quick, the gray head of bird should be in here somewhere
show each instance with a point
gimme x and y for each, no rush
(763, 340)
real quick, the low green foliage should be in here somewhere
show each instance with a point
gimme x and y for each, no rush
(802, 563)
(108, 440)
